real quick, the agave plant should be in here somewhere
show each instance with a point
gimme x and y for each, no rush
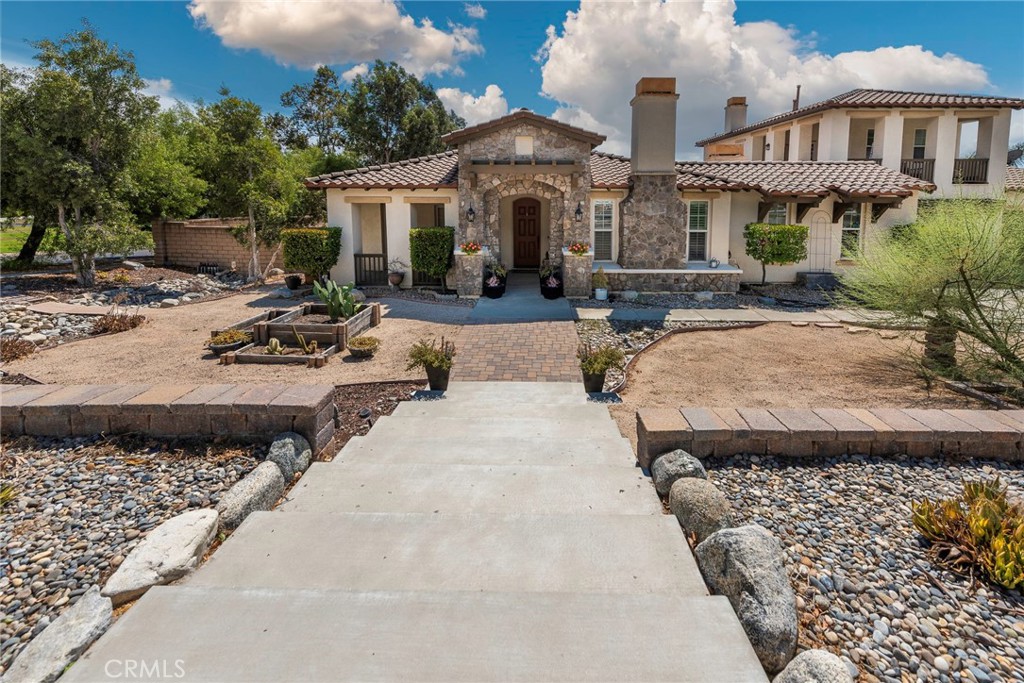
(340, 301)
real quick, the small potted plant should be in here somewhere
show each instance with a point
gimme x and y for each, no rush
(436, 359)
(551, 281)
(470, 247)
(229, 340)
(396, 271)
(363, 347)
(600, 282)
(495, 275)
(596, 361)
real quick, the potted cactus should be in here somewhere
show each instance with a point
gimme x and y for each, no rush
(436, 359)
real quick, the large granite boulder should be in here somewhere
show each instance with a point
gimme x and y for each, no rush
(258, 490)
(815, 666)
(61, 643)
(700, 507)
(291, 453)
(745, 565)
(166, 554)
(670, 467)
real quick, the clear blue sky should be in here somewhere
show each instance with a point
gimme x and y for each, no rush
(168, 43)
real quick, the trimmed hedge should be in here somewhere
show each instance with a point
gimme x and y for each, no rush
(431, 250)
(775, 245)
(313, 251)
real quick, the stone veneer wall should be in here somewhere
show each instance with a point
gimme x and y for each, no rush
(244, 411)
(724, 282)
(469, 274)
(563, 191)
(652, 224)
(577, 272)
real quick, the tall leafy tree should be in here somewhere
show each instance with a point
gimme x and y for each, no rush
(317, 110)
(389, 114)
(73, 133)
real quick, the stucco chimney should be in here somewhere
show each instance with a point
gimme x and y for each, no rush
(735, 113)
(653, 148)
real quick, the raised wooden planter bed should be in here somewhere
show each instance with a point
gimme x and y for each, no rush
(278, 314)
(325, 334)
(250, 354)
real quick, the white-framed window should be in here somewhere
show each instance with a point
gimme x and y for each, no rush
(777, 215)
(850, 241)
(920, 139)
(869, 146)
(602, 227)
(697, 221)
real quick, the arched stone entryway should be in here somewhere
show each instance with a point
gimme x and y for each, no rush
(499, 196)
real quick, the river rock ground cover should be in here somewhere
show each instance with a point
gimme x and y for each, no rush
(867, 589)
(81, 505)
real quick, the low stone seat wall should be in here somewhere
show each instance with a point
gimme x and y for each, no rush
(803, 432)
(244, 411)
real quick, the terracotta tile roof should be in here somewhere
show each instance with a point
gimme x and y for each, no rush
(863, 97)
(457, 136)
(785, 178)
(781, 178)
(434, 171)
(1014, 179)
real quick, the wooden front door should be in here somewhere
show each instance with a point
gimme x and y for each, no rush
(526, 233)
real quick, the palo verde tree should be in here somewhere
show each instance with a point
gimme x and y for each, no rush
(72, 130)
(959, 271)
(389, 114)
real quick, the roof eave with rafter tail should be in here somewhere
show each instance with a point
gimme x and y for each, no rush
(866, 98)
(519, 116)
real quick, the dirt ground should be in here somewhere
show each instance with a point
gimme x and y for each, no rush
(778, 366)
(169, 348)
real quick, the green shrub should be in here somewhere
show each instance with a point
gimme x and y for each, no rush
(978, 529)
(775, 245)
(426, 354)
(431, 250)
(313, 251)
(596, 360)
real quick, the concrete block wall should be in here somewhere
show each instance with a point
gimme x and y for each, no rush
(801, 432)
(204, 240)
(243, 411)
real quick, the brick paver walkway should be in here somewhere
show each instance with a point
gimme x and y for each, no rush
(519, 352)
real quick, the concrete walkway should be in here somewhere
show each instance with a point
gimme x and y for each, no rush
(715, 315)
(522, 302)
(499, 534)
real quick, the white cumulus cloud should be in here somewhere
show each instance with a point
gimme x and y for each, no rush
(591, 63)
(306, 34)
(357, 70)
(490, 105)
(474, 10)
(162, 89)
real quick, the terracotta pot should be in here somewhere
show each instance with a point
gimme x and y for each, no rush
(395, 277)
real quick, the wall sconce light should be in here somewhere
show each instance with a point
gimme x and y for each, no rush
(579, 211)
(767, 145)
(471, 214)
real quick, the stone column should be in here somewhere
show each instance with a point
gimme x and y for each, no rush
(576, 272)
(469, 274)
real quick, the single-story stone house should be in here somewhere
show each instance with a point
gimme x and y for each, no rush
(526, 186)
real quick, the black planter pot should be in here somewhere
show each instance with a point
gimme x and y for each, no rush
(218, 349)
(438, 378)
(594, 383)
(494, 292)
(293, 282)
(551, 292)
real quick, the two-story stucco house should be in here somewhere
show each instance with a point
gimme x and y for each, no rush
(958, 142)
(526, 186)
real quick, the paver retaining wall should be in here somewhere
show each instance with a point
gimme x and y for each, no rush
(202, 240)
(245, 411)
(801, 432)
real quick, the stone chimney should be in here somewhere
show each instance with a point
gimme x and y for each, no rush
(735, 113)
(652, 225)
(653, 148)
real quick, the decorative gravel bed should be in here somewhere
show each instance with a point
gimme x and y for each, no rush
(81, 505)
(630, 336)
(422, 295)
(866, 588)
(786, 298)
